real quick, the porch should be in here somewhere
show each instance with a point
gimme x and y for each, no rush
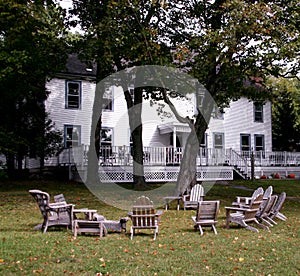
(162, 163)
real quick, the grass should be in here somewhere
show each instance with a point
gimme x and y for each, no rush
(178, 250)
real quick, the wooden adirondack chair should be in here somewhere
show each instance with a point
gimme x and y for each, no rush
(144, 216)
(243, 216)
(275, 212)
(264, 216)
(206, 215)
(54, 214)
(244, 201)
(266, 199)
(191, 201)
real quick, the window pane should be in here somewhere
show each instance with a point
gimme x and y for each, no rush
(218, 140)
(73, 95)
(258, 112)
(72, 136)
(245, 142)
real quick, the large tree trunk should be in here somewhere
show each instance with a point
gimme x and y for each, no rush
(188, 167)
(93, 153)
(136, 127)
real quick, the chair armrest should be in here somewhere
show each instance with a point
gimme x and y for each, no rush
(236, 209)
(62, 208)
(185, 197)
(58, 204)
(241, 199)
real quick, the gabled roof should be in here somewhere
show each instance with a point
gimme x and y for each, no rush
(78, 69)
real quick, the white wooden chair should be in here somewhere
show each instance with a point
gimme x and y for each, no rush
(243, 216)
(206, 215)
(144, 216)
(191, 201)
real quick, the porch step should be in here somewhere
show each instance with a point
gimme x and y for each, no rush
(239, 174)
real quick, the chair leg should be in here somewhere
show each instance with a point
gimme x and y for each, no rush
(131, 232)
(45, 225)
(251, 228)
(261, 225)
(200, 229)
(271, 220)
(267, 222)
(214, 229)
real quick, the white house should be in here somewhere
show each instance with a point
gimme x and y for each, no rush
(243, 127)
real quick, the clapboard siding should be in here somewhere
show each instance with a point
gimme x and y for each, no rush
(55, 106)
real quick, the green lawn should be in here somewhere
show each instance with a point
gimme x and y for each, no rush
(178, 249)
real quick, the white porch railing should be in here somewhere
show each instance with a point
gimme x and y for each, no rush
(169, 156)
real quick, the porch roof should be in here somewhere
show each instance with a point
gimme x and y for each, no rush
(173, 127)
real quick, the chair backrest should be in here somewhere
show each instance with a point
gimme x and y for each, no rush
(271, 204)
(279, 202)
(207, 210)
(59, 198)
(268, 192)
(143, 216)
(143, 201)
(197, 193)
(42, 199)
(257, 192)
(253, 208)
(143, 212)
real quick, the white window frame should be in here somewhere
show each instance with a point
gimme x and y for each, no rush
(70, 140)
(218, 146)
(73, 104)
(258, 110)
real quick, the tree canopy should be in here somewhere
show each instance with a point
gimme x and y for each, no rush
(221, 43)
(32, 49)
(285, 114)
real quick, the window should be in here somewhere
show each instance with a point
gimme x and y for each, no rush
(245, 144)
(73, 94)
(107, 99)
(219, 140)
(258, 112)
(259, 141)
(72, 136)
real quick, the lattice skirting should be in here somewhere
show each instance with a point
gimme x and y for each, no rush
(163, 174)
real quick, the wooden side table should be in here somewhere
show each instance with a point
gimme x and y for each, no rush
(170, 198)
(88, 213)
